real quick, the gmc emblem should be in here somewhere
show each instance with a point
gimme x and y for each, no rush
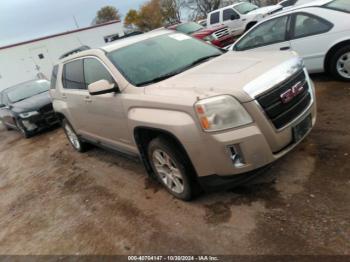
(288, 96)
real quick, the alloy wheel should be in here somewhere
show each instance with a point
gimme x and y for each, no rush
(73, 138)
(168, 171)
(343, 65)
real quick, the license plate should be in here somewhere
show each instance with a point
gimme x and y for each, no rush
(301, 129)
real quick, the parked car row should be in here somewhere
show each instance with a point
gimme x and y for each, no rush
(198, 116)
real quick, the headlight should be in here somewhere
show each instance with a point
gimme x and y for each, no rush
(209, 38)
(28, 114)
(221, 112)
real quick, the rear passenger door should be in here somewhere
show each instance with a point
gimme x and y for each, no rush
(310, 39)
(75, 93)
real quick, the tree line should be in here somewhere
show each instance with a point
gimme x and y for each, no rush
(157, 13)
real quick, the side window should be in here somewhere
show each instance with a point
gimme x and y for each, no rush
(271, 32)
(215, 18)
(229, 14)
(73, 75)
(54, 77)
(307, 25)
(95, 71)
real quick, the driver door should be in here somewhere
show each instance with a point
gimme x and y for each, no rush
(272, 35)
(233, 20)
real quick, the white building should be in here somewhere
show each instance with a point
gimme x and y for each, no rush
(35, 58)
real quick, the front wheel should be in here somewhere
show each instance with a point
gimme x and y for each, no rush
(340, 64)
(171, 168)
(73, 138)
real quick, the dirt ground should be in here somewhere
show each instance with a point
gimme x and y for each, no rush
(56, 201)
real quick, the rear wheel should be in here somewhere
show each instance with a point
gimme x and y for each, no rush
(171, 168)
(340, 64)
(73, 138)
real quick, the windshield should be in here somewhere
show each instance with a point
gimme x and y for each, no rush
(189, 28)
(26, 90)
(157, 58)
(339, 5)
(245, 8)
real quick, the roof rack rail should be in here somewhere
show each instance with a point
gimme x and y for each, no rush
(74, 51)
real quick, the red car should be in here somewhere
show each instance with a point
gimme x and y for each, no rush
(219, 36)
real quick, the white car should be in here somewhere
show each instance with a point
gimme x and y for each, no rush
(240, 17)
(319, 32)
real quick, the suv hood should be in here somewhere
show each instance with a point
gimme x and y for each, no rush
(32, 103)
(235, 73)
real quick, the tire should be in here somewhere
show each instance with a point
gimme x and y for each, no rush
(21, 128)
(340, 64)
(177, 177)
(73, 138)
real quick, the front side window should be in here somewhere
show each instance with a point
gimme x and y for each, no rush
(307, 25)
(215, 18)
(270, 32)
(73, 75)
(54, 77)
(161, 57)
(339, 5)
(94, 71)
(26, 90)
(228, 14)
(245, 8)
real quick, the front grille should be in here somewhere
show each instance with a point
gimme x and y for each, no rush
(281, 113)
(221, 33)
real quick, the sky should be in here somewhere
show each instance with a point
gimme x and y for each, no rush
(22, 20)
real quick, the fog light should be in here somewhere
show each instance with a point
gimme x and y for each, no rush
(29, 126)
(236, 156)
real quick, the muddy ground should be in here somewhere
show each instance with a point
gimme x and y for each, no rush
(56, 201)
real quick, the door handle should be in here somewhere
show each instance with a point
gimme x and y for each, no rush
(64, 96)
(88, 99)
(284, 48)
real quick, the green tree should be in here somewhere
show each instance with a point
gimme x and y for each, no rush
(106, 14)
(131, 17)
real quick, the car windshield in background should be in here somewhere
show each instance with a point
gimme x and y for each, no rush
(339, 5)
(245, 8)
(161, 57)
(26, 90)
(189, 28)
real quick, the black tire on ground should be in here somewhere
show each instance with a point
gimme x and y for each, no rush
(7, 127)
(76, 142)
(334, 63)
(180, 162)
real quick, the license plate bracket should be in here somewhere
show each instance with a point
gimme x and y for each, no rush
(301, 129)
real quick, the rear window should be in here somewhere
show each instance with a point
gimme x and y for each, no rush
(73, 75)
(215, 18)
(54, 77)
(339, 5)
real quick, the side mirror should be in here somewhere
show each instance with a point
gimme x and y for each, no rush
(102, 87)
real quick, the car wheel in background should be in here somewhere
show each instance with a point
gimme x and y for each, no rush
(171, 168)
(73, 138)
(340, 64)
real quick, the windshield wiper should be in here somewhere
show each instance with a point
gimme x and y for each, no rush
(178, 71)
